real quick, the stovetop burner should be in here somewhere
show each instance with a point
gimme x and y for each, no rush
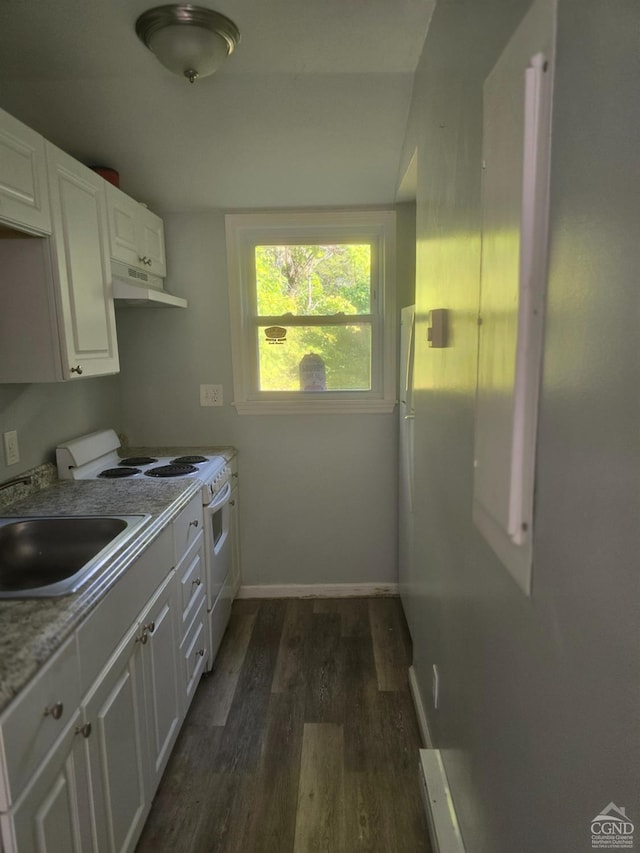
(115, 473)
(188, 460)
(137, 460)
(172, 470)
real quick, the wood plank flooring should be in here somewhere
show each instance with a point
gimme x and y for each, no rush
(303, 740)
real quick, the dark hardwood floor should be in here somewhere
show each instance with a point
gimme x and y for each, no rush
(304, 738)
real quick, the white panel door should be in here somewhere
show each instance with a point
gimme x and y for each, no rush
(117, 748)
(164, 708)
(81, 257)
(152, 242)
(24, 196)
(123, 228)
(46, 819)
(516, 142)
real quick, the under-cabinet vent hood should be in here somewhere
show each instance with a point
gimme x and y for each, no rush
(135, 288)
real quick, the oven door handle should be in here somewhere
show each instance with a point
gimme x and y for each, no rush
(220, 499)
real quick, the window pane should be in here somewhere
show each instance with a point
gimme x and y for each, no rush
(342, 359)
(304, 280)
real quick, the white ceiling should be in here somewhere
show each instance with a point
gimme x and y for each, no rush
(310, 110)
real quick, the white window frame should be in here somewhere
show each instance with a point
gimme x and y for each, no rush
(244, 232)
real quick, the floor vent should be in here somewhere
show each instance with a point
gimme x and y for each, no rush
(441, 813)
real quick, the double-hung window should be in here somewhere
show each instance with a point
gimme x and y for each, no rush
(312, 298)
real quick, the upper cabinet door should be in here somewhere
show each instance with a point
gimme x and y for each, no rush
(137, 234)
(24, 197)
(152, 242)
(122, 212)
(81, 260)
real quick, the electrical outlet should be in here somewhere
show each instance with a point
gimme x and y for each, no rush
(436, 687)
(211, 395)
(11, 449)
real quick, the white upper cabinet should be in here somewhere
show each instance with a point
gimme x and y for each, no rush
(57, 319)
(24, 197)
(81, 266)
(136, 234)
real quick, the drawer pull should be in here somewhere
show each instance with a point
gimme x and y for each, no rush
(54, 710)
(197, 582)
(194, 523)
(200, 653)
(77, 369)
(150, 627)
(85, 730)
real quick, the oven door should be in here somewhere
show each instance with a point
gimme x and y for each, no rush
(217, 544)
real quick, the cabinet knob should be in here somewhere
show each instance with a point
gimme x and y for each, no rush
(151, 627)
(235, 474)
(194, 523)
(142, 638)
(197, 582)
(232, 503)
(54, 710)
(200, 653)
(77, 369)
(85, 730)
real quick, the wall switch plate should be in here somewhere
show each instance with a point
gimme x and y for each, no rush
(211, 395)
(437, 328)
(11, 449)
(436, 687)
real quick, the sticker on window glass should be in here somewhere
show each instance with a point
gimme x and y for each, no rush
(275, 334)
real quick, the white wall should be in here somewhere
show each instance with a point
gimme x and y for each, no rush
(45, 415)
(318, 499)
(538, 716)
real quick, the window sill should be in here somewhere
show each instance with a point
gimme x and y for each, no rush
(314, 406)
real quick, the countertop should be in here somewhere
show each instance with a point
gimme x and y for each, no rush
(31, 630)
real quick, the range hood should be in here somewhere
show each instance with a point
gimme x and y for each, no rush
(134, 288)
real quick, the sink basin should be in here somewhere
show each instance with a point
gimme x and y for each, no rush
(55, 556)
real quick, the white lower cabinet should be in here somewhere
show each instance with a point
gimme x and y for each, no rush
(46, 818)
(164, 709)
(79, 774)
(194, 653)
(116, 750)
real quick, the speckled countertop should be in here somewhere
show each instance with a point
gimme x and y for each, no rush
(32, 629)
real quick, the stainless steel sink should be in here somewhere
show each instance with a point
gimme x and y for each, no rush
(55, 555)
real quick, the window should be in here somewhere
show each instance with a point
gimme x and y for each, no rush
(312, 311)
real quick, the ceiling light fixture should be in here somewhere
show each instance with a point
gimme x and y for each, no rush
(188, 40)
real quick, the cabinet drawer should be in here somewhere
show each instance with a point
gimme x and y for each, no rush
(103, 629)
(191, 582)
(36, 719)
(194, 653)
(187, 526)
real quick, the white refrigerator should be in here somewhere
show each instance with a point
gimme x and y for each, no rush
(405, 485)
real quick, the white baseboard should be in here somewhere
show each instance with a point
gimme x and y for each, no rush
(423, 723)
(319, 590)
(444, 830)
